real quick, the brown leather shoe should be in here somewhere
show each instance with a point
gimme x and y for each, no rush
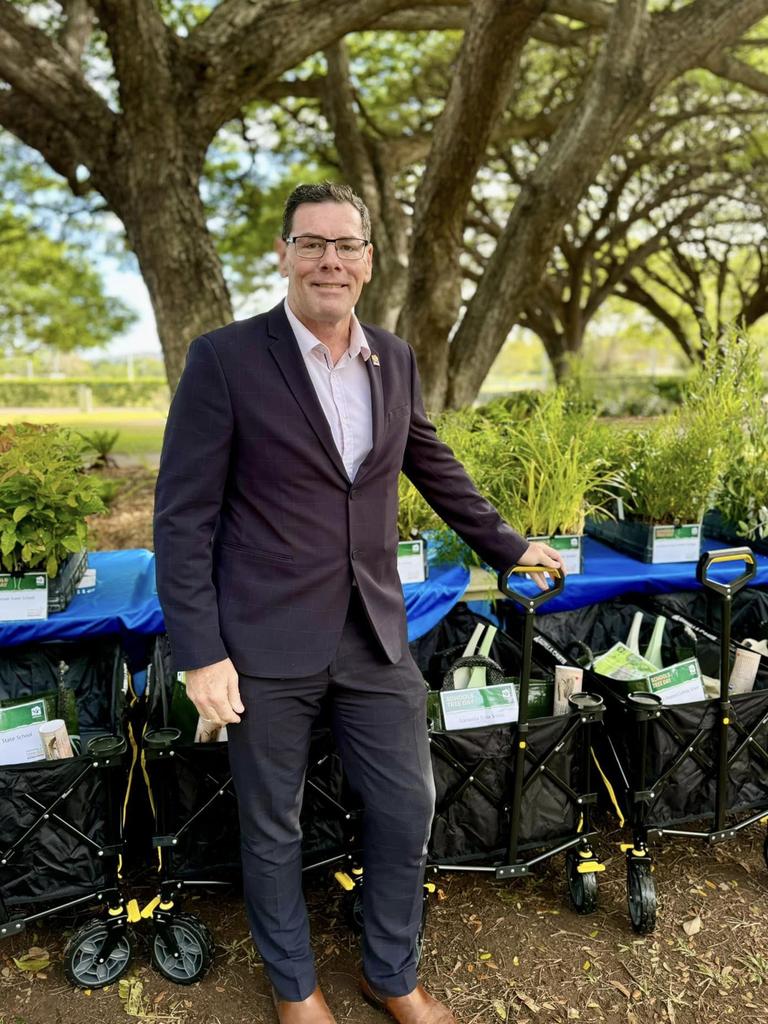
(418, 1007)
(312, 1010)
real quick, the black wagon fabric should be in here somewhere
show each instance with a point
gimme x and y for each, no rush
(53, 859)
(749, 613)
(474, 774)
(680, 765)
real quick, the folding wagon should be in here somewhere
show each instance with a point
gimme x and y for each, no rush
(511, 796)
(197, 834)
(692, 770)
(61, 840)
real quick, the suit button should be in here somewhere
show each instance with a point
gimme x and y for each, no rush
(355, 553)
(354, 493)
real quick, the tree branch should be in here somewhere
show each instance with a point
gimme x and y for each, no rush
(42, 70)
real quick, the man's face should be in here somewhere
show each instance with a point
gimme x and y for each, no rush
(324, 291)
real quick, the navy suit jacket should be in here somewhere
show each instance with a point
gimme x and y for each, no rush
(259, 530)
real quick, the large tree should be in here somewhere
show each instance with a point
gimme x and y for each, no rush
(125, 98)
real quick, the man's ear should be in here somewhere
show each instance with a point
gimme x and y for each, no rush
(369, 260)
(281, 248)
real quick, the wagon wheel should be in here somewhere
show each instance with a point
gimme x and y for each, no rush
(582, 886)
(85, 964)
(641, 895)
(183, 949)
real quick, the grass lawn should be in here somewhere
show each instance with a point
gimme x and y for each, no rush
(141, 430)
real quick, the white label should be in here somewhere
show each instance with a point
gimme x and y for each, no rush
(411, 562)
(486, 705)
(23, 597)
(676, 543)
(20, 740)
(87, 582)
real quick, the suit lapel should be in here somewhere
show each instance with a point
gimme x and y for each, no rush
(377, 409)
(287, 354)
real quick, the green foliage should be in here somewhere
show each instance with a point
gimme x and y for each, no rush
(49, 295)
(542, 465)
(675, 469)
(44, 497)
(102, 442)
(30, 392)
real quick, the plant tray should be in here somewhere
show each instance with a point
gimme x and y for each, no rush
(61, 589)
(650, 543)
(716, 526)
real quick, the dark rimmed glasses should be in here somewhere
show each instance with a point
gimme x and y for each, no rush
(312, 247)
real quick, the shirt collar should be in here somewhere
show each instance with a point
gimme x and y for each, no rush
(358, 343)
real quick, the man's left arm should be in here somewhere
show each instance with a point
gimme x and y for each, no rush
(438, 475)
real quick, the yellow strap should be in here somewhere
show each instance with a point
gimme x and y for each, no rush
(522, 569)
(609, 787)
(134, 758)
(344, 880)
(588, 866)
(149, 794)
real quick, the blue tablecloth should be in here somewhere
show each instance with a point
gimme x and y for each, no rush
(125, 600)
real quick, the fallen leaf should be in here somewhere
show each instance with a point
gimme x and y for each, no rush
(527, 1001)
(586, 966)
(35, 959)
(486, 956)
(622, 988)
(692, 927)
(500, 1008)
(573, 1014)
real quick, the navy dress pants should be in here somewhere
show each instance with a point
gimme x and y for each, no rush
(378, 716)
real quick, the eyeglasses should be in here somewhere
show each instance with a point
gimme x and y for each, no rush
(312, 247)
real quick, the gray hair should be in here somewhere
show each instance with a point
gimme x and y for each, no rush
(324, 192)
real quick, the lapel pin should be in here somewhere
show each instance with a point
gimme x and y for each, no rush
(375, 359)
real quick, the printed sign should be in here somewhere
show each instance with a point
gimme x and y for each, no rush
(676, 543)
(20, 732)
(485, 705)
(23, 597)
(412, 561)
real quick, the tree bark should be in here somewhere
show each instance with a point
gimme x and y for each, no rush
(481, 85)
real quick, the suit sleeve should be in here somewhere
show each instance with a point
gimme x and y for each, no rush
(190, 488)
(439, 476)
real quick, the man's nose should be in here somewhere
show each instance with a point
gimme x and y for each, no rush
(330, 257)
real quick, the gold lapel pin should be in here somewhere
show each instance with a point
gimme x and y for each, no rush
(375, 359)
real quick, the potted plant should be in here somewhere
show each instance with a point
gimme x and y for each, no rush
(674, 469)
(45, 496)
(545, 473)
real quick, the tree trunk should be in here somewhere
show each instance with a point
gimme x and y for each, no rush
(166, 229)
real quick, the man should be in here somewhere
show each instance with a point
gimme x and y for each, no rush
(276, 539)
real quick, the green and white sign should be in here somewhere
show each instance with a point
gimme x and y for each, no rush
(676, 543)
(20, 732)
(23, 597)
(486, 705)
(620, 662)
(412, 561)
(678, 684)
(569, 546)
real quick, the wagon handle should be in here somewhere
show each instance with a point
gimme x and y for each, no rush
(732, 587)
(530, 603)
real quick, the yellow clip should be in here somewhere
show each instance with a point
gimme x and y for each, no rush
(624, 847)
(764, 821)
(357, 871)
(588, 866)
(638, 853)
(726, 721)
(167, 906)
(430, 887)
(344, 881)
(116, 911)
(150, 908)
(134, 914)
(522, 744)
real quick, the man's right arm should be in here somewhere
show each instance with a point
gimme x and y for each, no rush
(190, 489)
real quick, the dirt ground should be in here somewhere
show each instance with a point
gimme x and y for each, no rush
(496, 951)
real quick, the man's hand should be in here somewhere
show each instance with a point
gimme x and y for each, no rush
(538, 553)
(215, 692)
